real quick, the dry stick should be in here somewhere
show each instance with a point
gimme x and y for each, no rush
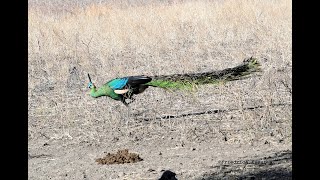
(39, 156)
(211, 112)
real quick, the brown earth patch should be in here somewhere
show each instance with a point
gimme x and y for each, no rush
(121, 157)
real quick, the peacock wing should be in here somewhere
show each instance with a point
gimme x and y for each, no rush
(118, 83)
(137, 80)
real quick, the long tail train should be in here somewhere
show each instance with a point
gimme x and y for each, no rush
(190, 80)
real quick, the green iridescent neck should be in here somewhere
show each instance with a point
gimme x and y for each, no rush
(94, 93)
(104, 90)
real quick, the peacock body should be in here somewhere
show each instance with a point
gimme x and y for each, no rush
(124, 88)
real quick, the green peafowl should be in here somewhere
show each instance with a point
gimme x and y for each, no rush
(124, 88)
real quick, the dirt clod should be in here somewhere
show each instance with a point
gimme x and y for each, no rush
(151, 170)
(121, 157)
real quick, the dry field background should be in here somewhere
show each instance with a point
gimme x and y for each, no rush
(68, 130)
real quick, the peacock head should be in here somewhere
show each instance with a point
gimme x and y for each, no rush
(90, 85)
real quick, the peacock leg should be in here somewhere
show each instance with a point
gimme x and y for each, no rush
(123, 100)
(131, 100)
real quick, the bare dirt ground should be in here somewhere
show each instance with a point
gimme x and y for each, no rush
(237, 130)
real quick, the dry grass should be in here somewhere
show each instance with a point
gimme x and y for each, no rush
(157, 33)
(119, 39)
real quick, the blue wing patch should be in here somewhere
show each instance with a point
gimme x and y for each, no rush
(118, 83)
